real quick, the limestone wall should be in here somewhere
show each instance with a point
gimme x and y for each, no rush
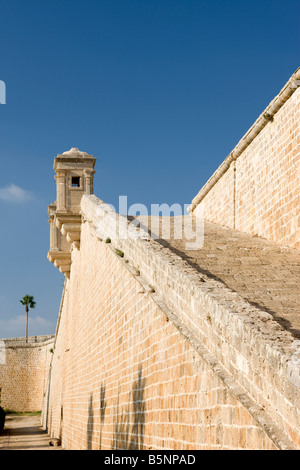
(24, 369)
(258, 192)
(149, 356)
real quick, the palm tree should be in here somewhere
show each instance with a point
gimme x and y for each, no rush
(28, 301)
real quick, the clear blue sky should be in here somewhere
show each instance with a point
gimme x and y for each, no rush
(160, 91)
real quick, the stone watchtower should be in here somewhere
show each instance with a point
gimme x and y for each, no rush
(74, 177)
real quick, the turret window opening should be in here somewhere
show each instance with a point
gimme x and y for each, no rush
(75, 182)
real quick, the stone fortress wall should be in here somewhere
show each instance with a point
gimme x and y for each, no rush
(24, 368)
(256, 189)
(150, 356)
(152, 353)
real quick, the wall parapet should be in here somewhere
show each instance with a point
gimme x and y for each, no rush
(31, 342)
(245, 345)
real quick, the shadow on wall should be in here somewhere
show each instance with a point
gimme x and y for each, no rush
(90, 424)
(102, 410)
(125, 438)
(128, 433)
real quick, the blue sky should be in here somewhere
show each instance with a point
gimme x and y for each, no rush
(159, 91)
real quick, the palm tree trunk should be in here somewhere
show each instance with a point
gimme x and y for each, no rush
(26, 309)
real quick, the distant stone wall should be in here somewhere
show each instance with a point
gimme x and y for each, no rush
(24, 368)
(149, 356)
(258, 193)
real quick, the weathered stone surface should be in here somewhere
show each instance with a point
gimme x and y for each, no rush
(24, 371)
(264, 273)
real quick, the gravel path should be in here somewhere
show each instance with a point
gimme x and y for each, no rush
(24, 433)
